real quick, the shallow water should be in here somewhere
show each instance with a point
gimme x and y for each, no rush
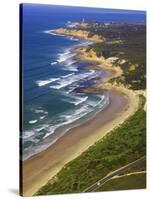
(52, 102)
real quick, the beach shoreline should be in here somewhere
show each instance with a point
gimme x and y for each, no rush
(41, 167)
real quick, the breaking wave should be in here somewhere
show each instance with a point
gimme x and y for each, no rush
(68, 81)
(45, 82)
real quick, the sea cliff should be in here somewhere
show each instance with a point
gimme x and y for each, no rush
(112, 131)
(83, 34)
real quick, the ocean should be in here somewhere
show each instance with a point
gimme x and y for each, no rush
(52, 79)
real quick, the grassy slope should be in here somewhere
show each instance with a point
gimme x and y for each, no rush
(123, 145)
(135, 181)
(139, 168)
(127, 42)
(127, 142)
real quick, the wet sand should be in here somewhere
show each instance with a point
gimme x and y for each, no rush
(38, 169)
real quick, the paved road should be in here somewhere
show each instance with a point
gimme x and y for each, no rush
(109, 176)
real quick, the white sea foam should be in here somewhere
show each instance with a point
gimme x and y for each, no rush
(40, 111)
(72, 68)
(69, 118)
(53, 63)
(51, 130)
(41, 128)
(76, 100)
(69, 62)
(52, 32)
(42, 117)
(62, 84)
(67, 54)
(70, 89)
(68, 75)
(104, 100)
(45, 82)
(77, 114)
(33, 121)
(73, 39)
(28, 134)
(80, 100)
(68, 81)
(67, 59)
(95, 103)
(35, 150)
(46, 31)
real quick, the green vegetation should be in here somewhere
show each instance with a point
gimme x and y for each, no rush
(126, 42)
(127, 142)
(118, 148)
(134, 181)
(140, 167)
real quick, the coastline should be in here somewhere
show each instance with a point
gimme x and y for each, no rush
(38, 169)
(81, 34)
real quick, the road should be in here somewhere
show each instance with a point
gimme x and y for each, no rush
(109, 176)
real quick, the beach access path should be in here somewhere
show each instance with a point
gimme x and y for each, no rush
(40, 168)
(117, 172)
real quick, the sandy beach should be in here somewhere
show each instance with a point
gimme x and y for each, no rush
(38, 169)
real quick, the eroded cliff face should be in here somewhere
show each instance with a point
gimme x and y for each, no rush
(80, 34)
(84, 53)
